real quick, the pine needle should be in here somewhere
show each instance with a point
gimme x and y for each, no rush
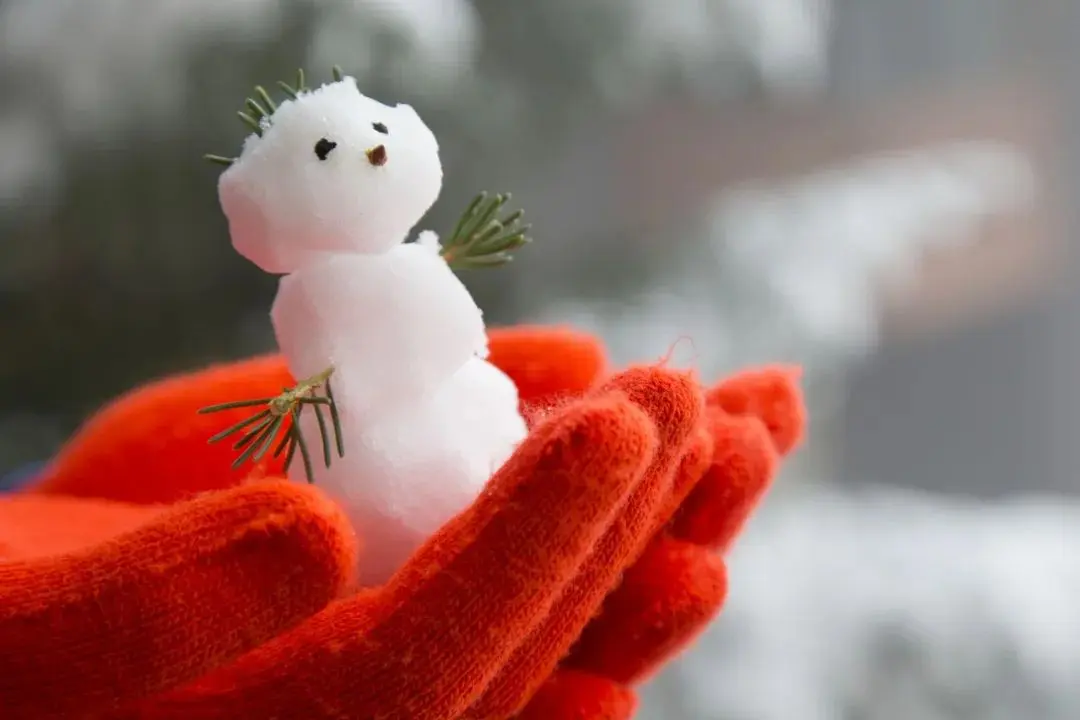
(219, 160)
(233, 405)
(294, 431)
(323, 434)
(268, 438)
(305, 455)
(257, 111)
(250, 437)
(339, 440)
(265, 97)
(239, 426)
(251, 122)
(286, 441)
(287, 89)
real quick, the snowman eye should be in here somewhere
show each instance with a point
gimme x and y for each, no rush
(323, 148)
(380, 128)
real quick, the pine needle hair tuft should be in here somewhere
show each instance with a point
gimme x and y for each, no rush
(259, 108)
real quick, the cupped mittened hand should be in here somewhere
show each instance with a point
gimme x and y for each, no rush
(101, 602)
(674, 404)
(583, 567)
(430, 642)
(678, 585)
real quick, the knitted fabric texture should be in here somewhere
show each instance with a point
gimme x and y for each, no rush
(141, 578)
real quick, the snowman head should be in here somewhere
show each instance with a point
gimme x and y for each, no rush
(332, 171)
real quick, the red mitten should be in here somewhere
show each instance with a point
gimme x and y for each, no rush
(101, 602)
(126, 603)
(678, 585)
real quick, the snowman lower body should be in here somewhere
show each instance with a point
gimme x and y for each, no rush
(406, 473)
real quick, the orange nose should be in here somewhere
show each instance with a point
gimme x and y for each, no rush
(377, 155)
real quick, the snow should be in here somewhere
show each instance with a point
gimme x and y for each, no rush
(425, 419)
(406, 474)
(284, 203)
(397, 325)
(886, 605)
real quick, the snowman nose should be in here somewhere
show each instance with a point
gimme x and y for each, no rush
(377, 155)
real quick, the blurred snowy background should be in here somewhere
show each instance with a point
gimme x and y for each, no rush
(882, 191)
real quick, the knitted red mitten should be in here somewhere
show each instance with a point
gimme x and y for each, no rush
(235, 603)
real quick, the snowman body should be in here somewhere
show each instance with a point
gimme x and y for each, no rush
(425, 418)
(371, 317)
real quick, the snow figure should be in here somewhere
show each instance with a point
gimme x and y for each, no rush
(325, 193)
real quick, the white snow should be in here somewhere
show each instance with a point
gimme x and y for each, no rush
(326, 196)
(284, 203)
(405, 474)
(396, 325)
(885, 605)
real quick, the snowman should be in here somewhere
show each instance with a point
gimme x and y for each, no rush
(325, 195)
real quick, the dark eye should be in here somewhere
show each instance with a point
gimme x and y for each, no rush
(380, 128)
(323, 148)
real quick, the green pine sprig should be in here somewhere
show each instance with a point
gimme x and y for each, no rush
(262, 428)
(259, 108)
(481, 239)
